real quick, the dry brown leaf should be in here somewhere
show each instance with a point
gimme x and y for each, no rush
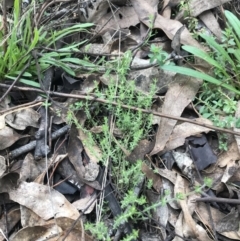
(198, 6)
(139, 152)
(145, 77)
(123, 18)
(76, 232)
(30, 218)
(7, 137)
(167, 185)
(95, 13)
(181, 187)
(169, 26)
(156, 179)
(3, 166)
(160, 213)
(8, 182)
(37, 233)
(30, 169)
(21, 119)
(93, 151)
(13, 217)
(2, 121)
(232, 154)
(179, 95)
(232, 168)
(169, 175)
(184, 130)
(224, 224)
(83, 203)
(211, 23)
(46, 205)
(179, 227)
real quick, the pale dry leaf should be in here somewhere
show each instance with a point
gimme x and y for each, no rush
(21, 119)
(76, 232)
(184, 162)
(98, 9)
(181, 186)
(123, 18)
(93, 151)
(184, 130)
(90, 83)
(169, 26)
(87, 203)
(7, 137)
(13, 217)
(232, 154)
(232, 168)
(94, 48)
(179, 228)
(2, 121)
(8, 182)
(3, 166)
(170, 175)
(30, 169)
(179, 95)
(211, 23)
(225, 224)
(91, 171)
(46, 205)
(145, 77)
(37, 233)
(159, 213)
(199, 6)
(167, 185)
(30, 218)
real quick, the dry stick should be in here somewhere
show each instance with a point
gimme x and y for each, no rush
(92, 98)
(218, 199)
(31, 145)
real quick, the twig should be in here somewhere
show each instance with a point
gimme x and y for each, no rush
(218, 199)
(92, 98)
(30, 146)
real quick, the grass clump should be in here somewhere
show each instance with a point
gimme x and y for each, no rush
(24, 40)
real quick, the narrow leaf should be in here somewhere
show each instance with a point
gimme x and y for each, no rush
(199, 75)
(203, 55)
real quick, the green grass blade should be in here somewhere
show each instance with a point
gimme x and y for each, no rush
(199, 75)
(25, 81)
(212, 43)
(234, 22)
(78, 61)
(201, 54)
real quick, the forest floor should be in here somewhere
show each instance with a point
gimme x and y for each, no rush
(119, 120)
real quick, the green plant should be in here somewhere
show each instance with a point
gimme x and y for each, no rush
(23, 39)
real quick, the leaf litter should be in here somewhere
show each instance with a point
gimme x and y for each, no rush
(73, 181)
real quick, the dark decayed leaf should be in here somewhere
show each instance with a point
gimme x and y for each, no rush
(201, 152)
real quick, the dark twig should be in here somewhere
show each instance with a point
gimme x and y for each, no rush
(30, 146)
(218, 199)
(92, 98)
